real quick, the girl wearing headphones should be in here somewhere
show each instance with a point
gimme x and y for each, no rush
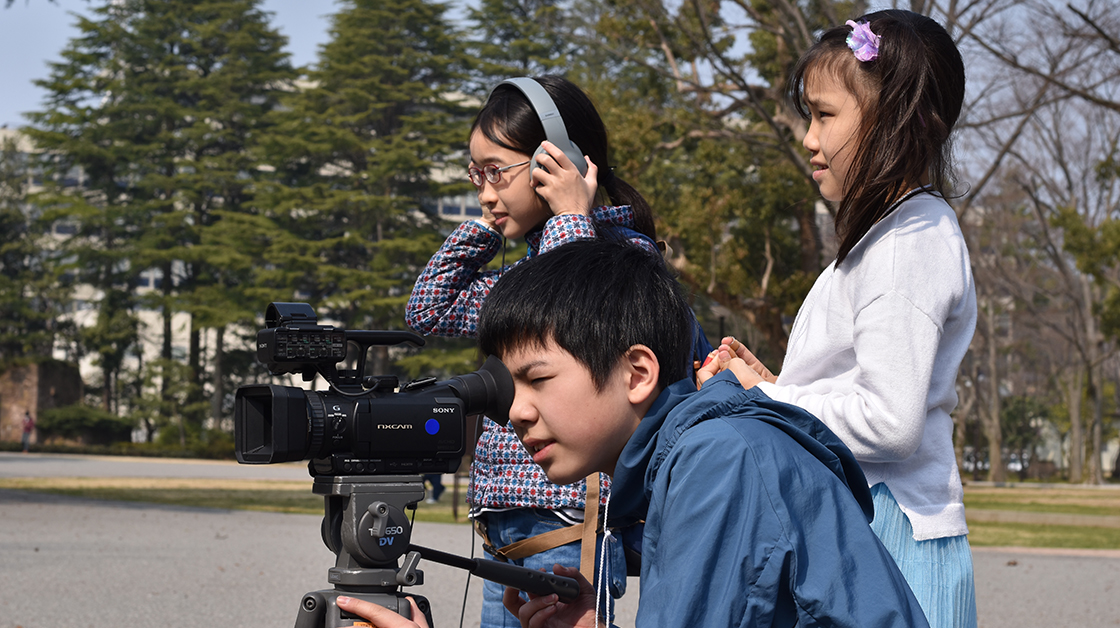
(533, 184)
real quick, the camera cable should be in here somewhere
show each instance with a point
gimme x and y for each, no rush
(467, 587)
(604, 564)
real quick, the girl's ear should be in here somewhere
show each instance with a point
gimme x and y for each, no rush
(642, 373)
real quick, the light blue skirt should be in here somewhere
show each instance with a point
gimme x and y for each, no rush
(939, 571)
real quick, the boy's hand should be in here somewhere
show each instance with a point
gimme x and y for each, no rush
(564, 189)
(548, 611)
(381, 616)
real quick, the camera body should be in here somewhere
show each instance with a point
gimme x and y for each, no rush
(362, 425)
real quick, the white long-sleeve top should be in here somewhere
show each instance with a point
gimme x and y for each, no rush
(874, 353)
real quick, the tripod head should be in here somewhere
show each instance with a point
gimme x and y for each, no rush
(365, 525)
(367, 528)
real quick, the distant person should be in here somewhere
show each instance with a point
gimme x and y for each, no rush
(875, 349)
(28, 428)
(436, 480)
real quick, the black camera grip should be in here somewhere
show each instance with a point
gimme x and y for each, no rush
(522, 578)
(528, 580)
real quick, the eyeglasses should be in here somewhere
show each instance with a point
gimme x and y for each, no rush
(493, 173)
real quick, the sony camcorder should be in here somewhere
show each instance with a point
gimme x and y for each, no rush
(364, 425)
(368, 439)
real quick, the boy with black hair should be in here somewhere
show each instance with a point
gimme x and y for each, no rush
(755, 513)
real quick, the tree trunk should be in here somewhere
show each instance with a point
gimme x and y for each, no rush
(1076, 438)
(992, 428)
(1094, 369)
(138, 385)
(1096, 474)
(167, 375)
(195, 398)
(1116, 392)
(809, 237)
(218, 394)
(377, 361)
(107, 387)
(961, 416)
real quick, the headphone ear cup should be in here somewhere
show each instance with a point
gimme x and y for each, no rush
(573, 152)
(576, 155)
(533, 165)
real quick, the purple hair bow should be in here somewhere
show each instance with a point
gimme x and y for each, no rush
(863, 42)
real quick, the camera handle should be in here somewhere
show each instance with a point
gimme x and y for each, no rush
(365, 525)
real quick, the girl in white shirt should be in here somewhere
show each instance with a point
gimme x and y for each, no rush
(875, 348)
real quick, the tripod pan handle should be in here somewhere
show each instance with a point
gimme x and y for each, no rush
(525, 579)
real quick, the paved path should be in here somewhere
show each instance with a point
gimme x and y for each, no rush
(75, 563)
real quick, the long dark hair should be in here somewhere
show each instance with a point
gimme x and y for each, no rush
(508, 120)
(910, 99)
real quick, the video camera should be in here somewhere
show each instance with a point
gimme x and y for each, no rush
(366, 425)
(368, 440)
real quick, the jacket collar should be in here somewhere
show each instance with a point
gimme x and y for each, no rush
(681, 406)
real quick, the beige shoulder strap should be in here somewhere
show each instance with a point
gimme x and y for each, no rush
(583, 532)
(590, 523)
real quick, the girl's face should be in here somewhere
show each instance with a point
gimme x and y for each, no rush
(831, 140)
(512, 202)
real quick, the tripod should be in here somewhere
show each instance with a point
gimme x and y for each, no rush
(365, 525)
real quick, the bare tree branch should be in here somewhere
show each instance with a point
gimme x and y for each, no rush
(1113, 43)
(1048, 76)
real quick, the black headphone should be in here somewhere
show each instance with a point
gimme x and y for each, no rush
(551, 120)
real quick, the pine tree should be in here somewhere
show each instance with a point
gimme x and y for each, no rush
(519, 38)
(31, 297)
(160, 104)
(364, 145)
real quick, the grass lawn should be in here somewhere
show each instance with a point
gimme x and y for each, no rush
(262, 495)
(1028, 535)
(296, 497)
(1074, 500)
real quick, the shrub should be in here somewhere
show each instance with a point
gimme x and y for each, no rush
(83, 424)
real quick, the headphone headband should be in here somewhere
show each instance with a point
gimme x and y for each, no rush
(550, 118)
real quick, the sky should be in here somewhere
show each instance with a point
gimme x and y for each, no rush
(34, 32)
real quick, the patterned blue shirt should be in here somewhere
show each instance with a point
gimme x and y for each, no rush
(446, 301)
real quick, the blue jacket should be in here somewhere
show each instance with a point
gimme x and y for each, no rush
(756, 515)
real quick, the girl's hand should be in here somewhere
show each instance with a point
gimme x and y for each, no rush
(488, 220)
(562, 187)
(721, 360)
(732, 355)
(548, 612)
(740, 350)
(381, 616)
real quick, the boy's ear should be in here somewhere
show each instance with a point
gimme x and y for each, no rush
(642, 372)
